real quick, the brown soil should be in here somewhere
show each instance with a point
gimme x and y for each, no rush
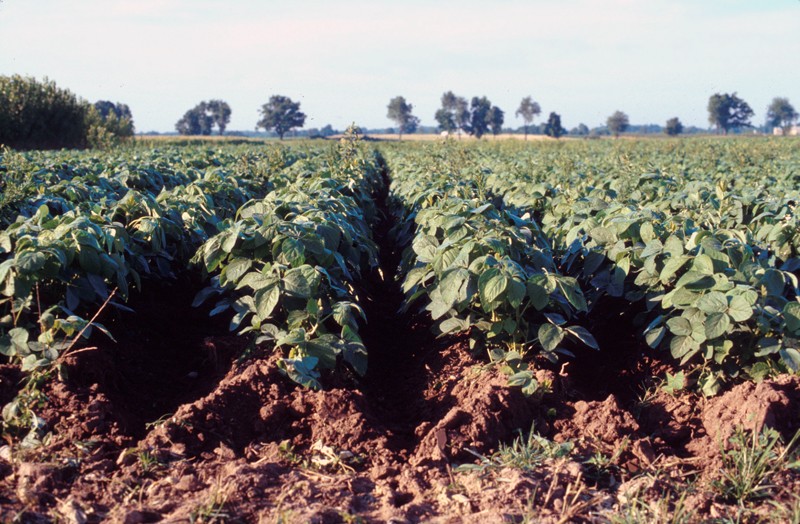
(256, 448)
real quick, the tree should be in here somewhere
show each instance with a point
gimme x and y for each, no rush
(40, 115)
(196, 121)
(673, 127)
(106, 109)
(201, 119)
(454, 114)
(553, 127)
(728, 111)
(281, 114)
(617, 123)
(479, 116)
(400, 113)
(220, 113)
(528, 110)
(496, 118)
(781, 113)
(581, 130)
(108, 123)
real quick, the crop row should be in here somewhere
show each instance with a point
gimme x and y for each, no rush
(274, 228)
(709, 256)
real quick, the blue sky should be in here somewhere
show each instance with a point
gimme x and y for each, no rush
(344, 60)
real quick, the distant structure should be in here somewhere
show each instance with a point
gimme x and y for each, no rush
(793, 131)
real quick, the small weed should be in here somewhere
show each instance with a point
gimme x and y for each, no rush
(160, 421)
(213, 510)
(788, 512)
(148, 462)
(751, 462)
(525, 453)
(601, 467)
(349, 518)
(323, 458)
(661, 511)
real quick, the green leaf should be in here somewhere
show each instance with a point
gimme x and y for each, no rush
(695, 281)
(453, 325)
(491, 285)
(516, 292)
(584, 336)
(653, 247)
(791, 315)
(674, 246)
(326, 348)
(679, 326)
(654, 336)
(235, 269)
(739, 309)
(32, 262)
(230, 237)
(703, 264)
(682, 346)
(301, 281)
(256, 280)
(302, 370)
(425, 247)
(603, 235)
(674, 383)
(717, 324)
(646, 233)
(266, 301)
(768, 346)
(537, 295)
(671, 267)
(293, 252)
(791, 357)
(525, 380)
(713, 302)
(774, 282)
(572, 291)
(550, 336)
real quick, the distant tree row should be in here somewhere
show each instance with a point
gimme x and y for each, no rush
(726, 112)
(477, 117)
(40, 115)
(280, 114)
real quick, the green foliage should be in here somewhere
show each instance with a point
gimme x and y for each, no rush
(400, 113)
(553, 126)
(728, 111)
(454, 113)
(286, 266)
(201, 119)
(752, 461)
(40, 115)
(483, 270)
(480, 116)
(781, 113)
(528, 110)
(281, 115)
(523, 453)
(674, 127)
(674, 230)
(496, 118)
(617, 123)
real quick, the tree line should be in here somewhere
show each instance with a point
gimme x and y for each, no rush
(726, 112)
(479, 117)
(39, 115)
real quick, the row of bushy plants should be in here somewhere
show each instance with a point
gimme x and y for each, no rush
(40, 115)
